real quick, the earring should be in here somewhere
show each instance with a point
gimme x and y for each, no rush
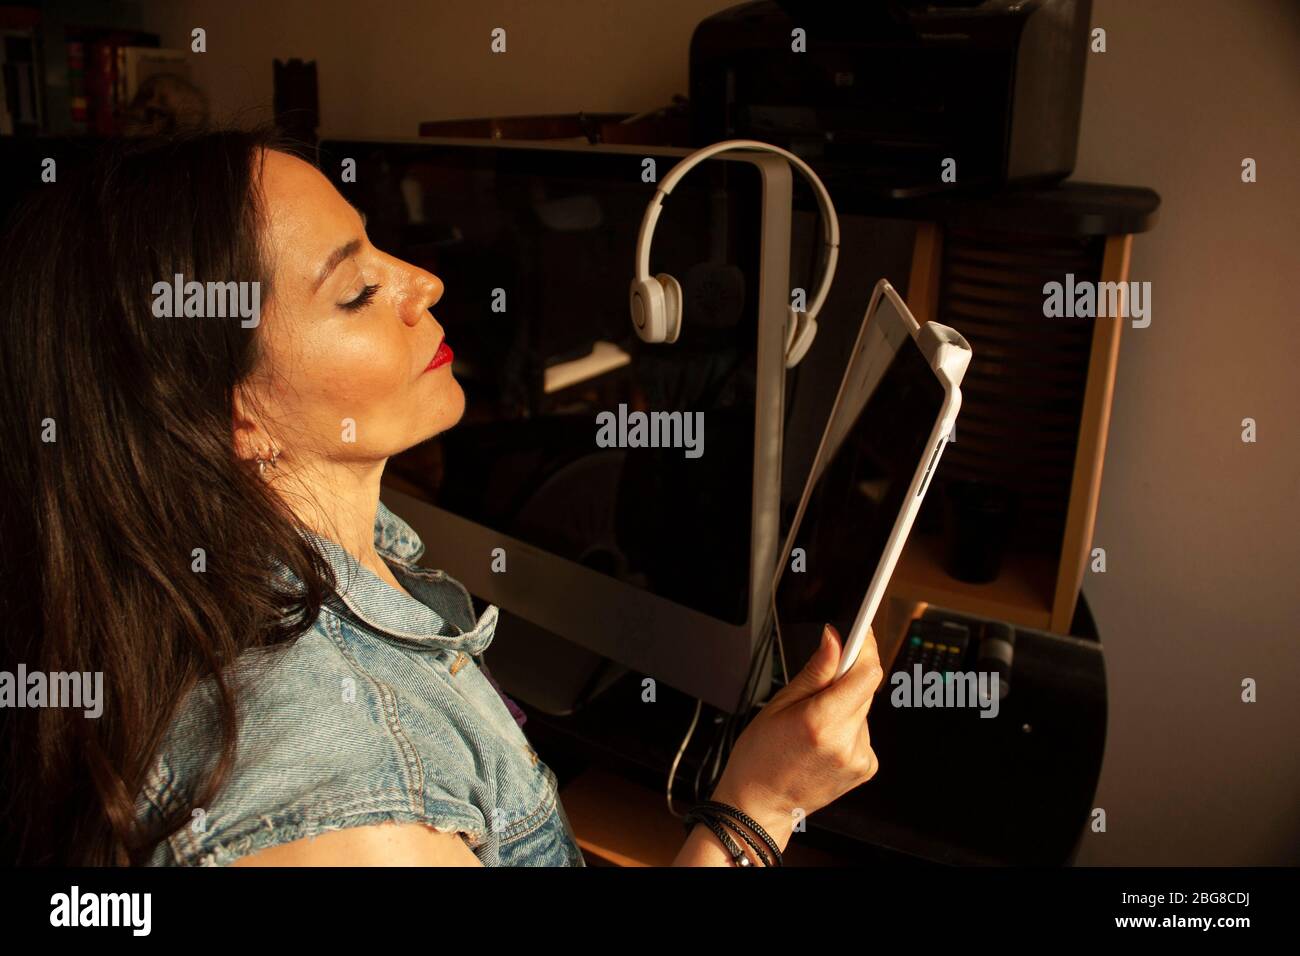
(262, 463)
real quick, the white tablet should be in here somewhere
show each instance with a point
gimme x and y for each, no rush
(897, 403)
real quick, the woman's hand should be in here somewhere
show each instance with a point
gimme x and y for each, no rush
(809, 744)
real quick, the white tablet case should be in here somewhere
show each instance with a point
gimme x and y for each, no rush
(948, 355)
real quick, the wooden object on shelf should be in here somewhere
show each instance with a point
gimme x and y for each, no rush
(1085, 488)
(1035, 411)
(576, 126)
(664, 127)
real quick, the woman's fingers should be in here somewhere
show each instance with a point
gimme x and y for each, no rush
(847, 700)
(852, 693)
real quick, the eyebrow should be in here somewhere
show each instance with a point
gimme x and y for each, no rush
(336, 257)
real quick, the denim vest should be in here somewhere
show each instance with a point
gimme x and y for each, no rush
(381, 711)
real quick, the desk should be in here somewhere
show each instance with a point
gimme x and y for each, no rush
(621, 823)
(954, 788)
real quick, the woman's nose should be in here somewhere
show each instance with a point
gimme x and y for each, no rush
(428, 290)
(435, 291)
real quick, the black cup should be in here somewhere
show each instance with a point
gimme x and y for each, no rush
(978, 519)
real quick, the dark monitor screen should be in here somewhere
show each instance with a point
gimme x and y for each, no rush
(535, 248)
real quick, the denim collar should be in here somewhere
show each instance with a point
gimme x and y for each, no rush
(447, 621)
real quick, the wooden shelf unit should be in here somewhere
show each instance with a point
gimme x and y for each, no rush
(1039, 586)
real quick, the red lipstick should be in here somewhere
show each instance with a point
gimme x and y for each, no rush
(441, 357)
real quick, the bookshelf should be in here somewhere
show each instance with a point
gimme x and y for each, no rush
(1035, 416)
(62, 76)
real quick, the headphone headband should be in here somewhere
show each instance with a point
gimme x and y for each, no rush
(830, 223)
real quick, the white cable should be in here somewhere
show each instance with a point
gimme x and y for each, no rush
(699, 704)
(780, 646)
(780, 643)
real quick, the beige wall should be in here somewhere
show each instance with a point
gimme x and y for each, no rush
(382, 73)
(1200, 529)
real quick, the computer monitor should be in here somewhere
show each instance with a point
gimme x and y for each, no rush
(659, 558)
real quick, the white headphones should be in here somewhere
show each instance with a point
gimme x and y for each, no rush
(657, 303)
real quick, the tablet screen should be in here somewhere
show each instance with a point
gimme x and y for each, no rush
(866, 470)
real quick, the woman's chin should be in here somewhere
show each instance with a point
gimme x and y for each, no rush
(450, 409)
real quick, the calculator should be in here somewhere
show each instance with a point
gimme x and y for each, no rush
(942, 646)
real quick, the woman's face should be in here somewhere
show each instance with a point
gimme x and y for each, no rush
(347, 336)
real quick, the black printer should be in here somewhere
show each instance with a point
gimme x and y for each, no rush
(883, 91)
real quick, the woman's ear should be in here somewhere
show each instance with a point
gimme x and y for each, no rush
(249, 437)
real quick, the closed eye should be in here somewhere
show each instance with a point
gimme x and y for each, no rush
(361, 301)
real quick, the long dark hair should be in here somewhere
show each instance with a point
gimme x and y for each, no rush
(99, 525)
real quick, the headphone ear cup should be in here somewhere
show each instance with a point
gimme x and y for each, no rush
(672, 311)
(802, 331)
(646, 299)
(791, 330)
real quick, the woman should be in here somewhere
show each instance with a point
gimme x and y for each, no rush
(192, 510)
